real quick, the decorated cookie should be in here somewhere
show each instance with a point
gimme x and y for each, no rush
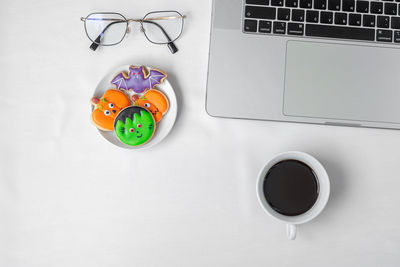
(107, 108)
(134, 126)
(154, 101)
(138, 79)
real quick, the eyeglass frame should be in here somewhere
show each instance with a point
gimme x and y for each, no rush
(169, 43)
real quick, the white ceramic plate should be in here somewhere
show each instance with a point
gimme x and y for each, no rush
(163, 127)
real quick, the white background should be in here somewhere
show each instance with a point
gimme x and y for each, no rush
(70, 198)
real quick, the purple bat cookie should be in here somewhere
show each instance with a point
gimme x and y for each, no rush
(137, 80)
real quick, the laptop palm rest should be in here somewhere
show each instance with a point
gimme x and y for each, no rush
(342, 82)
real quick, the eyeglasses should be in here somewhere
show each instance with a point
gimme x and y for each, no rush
(159, 27)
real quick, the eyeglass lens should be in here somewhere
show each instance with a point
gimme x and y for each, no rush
(106, 28)
(162, 27)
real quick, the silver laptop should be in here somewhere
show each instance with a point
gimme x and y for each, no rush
(331, 62)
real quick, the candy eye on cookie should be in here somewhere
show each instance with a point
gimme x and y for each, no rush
(107, 112)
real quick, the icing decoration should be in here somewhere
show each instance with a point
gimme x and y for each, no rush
(138, 79)
(154, 101)
(134, 126)
(107, 108)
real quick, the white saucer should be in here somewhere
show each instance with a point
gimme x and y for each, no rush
(163, 127)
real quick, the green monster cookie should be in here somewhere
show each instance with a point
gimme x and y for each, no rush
(134, 126)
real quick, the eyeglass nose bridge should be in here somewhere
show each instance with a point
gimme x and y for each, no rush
(134, 20)
(142, 29)
(128, 29)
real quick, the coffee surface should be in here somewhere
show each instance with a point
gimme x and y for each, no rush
(291, 187)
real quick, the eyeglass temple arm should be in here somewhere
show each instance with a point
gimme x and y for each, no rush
(170, 44)
(172, 47)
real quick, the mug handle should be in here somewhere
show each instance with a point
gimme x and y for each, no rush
(291, 231)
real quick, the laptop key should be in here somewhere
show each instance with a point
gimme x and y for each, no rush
(348, 5)
(334, 5)
(362, 6)
(279, 27)
(340, 18)
(283, 14)
(340, 32)
(355, 19)
(298, 15)
(257, 2)
(369, 20)
(320, 4)
(390, 9)
(257, 12)
(291, 3)
(250, 25)
(264, 26)
(384, 35)
(312, 16)
(305, 3)
(382, 21)
(376, 7)
(395, 23)
(276, 2)
(396, 36)
(295, 28)
(326, 17)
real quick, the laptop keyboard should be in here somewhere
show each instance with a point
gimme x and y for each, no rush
(377, 21)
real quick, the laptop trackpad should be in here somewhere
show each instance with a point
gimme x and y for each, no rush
(342, 82)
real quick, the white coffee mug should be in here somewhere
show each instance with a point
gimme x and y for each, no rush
(319, 205)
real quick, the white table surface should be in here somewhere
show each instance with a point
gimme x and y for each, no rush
(70, 198)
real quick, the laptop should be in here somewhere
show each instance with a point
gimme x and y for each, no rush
(333, 62)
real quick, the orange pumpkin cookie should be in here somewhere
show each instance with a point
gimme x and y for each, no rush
(154, 101)
(107, 108)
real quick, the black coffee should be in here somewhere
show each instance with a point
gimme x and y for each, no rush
(291, 187)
